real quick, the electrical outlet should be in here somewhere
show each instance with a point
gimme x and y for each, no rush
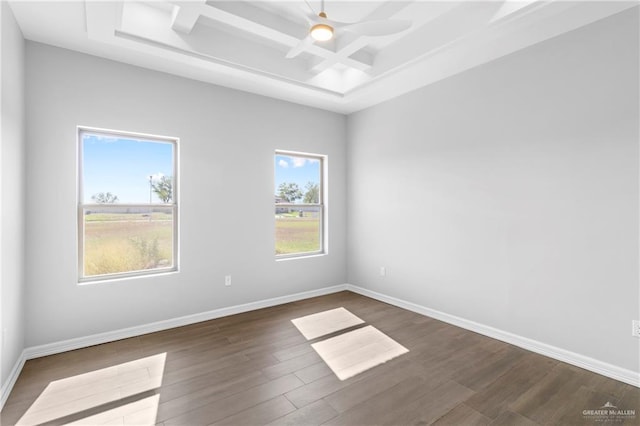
(635, 331)
(227, 280)
(383, 271)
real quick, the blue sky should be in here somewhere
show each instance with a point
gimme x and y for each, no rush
(122, 166)
(296, 169)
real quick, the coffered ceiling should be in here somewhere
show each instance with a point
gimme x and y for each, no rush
(245, 44)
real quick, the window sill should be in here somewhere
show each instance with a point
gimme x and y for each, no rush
(299, 256)
(111, 279)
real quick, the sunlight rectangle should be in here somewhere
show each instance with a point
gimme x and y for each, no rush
(74, 395)
(323, 323)
(356, 351)
(141, 412)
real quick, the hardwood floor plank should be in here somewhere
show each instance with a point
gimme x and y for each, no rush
(416, 331)
(260, 414)
(69, 407)
(572, 412)
(192, 400)
(440, 365)
(318, 389)
(236, 403)
(462, 414)
(313, 414)
(226, 370)
(630, 401)
(291, 365)
(631, 394)
(600, 383)
(497, 397)
(11, 413)
(142, 411)
(509, 418)
(294, 351)
(483, 371)
(363, 390)
(430, 406)
(313, 372)
(540, 402)
(212, 380)
(372, 410)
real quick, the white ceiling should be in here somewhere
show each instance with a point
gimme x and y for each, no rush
(243, 44)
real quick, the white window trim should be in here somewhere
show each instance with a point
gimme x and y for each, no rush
(174, 205)
(322, 196)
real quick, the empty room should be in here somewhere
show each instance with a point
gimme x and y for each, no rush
(310, 212)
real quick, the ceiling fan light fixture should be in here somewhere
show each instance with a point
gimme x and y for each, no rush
(321, 32)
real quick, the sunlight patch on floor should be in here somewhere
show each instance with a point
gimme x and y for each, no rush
(141, 412)
(73, 395)
(351, 352)
(327, 322)
(357, 351)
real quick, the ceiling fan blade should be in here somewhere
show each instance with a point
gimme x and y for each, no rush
(380, 27)
(300, 47)
(313, 12)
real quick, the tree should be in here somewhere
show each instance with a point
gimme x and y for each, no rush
(163, 188)
(312, 196)
(104, 198)
(290, 192)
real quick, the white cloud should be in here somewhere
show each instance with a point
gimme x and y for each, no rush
(98, 138)
(157, 176)
(298, 161)
(107, 139)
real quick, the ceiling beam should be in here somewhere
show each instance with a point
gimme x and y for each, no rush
(344, 49)
(184, 18)
(191, 9)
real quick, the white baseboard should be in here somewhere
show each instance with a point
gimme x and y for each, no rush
(591, 364)
(5, 390)
(110, 336)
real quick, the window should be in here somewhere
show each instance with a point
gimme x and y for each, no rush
(127, 204)
(299, 204)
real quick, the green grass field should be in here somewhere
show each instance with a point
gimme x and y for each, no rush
(297, 234)
(112, 246)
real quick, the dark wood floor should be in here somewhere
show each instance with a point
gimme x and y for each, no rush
(256, 368)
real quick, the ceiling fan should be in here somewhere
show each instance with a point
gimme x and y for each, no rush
(323, 29)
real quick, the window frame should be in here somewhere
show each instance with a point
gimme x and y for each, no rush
(322, 205)
(82, 206)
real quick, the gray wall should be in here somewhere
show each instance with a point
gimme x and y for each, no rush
(227, 143)
(508, 194)
(12, 189)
